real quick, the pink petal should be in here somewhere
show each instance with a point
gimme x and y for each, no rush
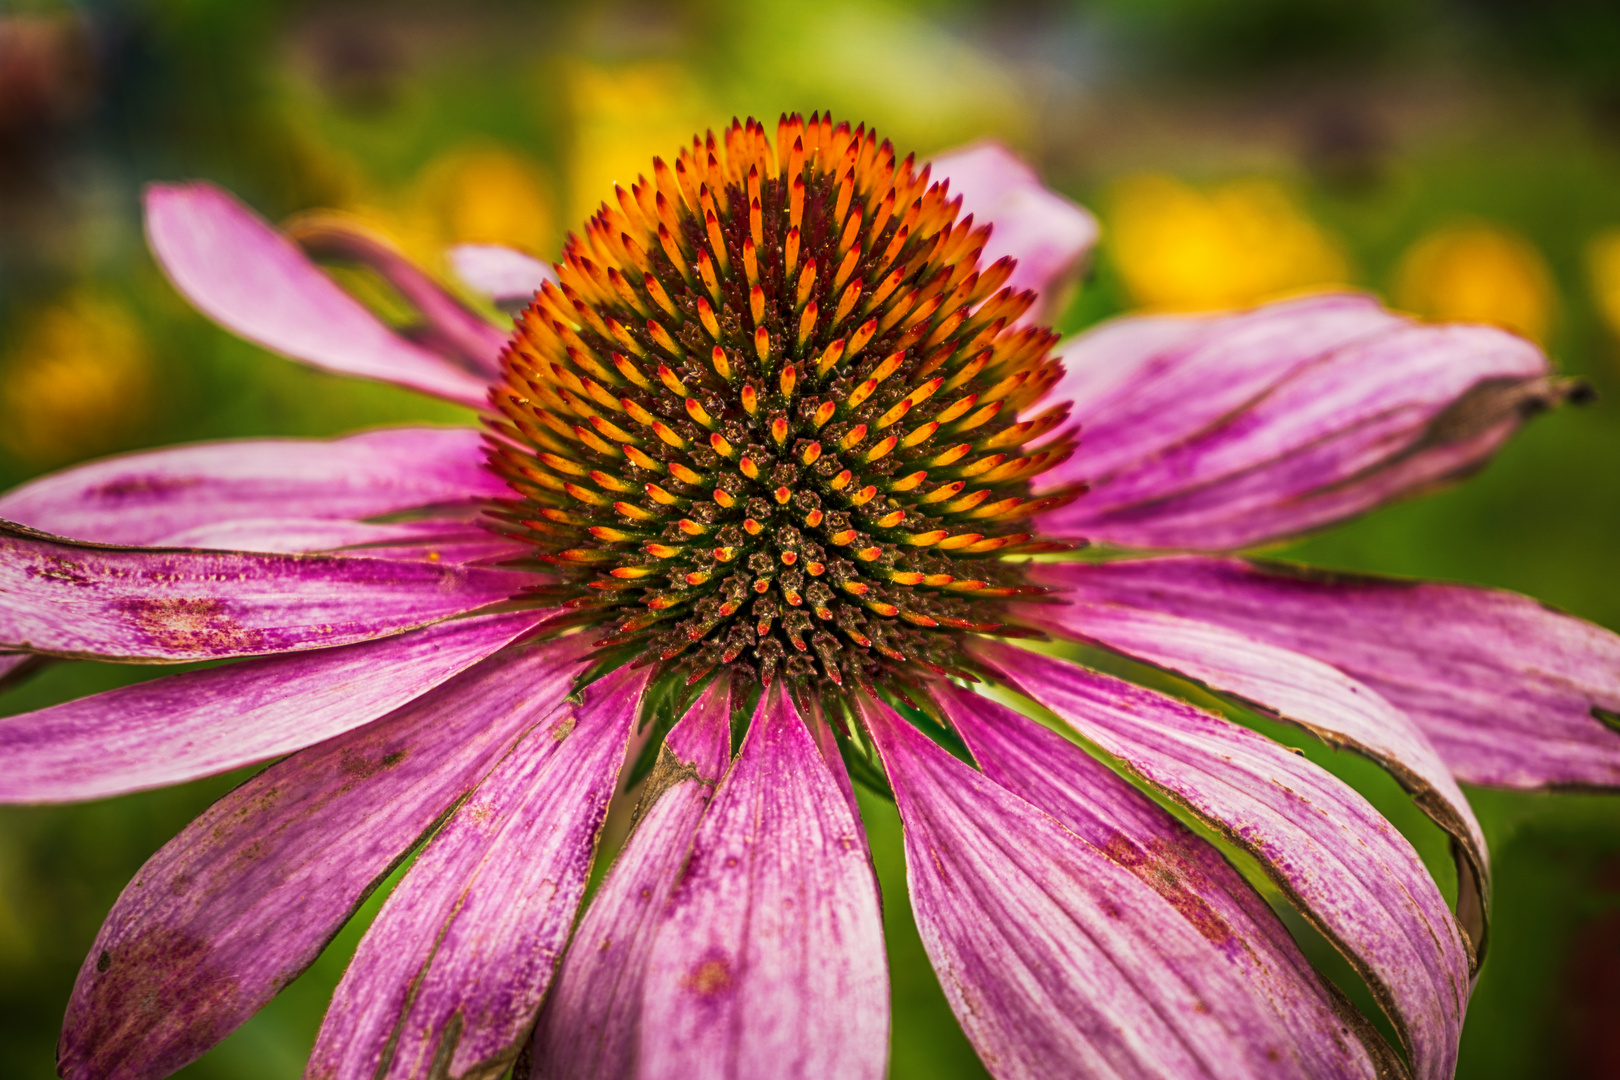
(449, 328)
(1049, 235)
(437, 540)
(242, 273)
(1266, 424)
(1348, 870)
(160, 604)
(199, 723)
(244, 899)
(1316, 696)
(155, 496)
(507, 276)
(1048, 771)
(448, 979)
(1510, 692)
(15, 667)
(589, 1024)
(1057, 959)
(1142, 385)
(770, 961)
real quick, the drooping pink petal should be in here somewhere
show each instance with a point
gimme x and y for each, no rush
(254, 281)
(589, 1024)
(243, 900)
(507, 276)
(769, 962)
(1050, 236)
(15, 667)
(1046, 770)
(470, 548)
(1510, 692)
(448, 979)
(1266, 424)
(151, 497)
(1057, 959)
(199, 723)
(1142, 385)
(1348, 870)
(448, 327)
(435, 540)
(1298, 688)
(70, 598)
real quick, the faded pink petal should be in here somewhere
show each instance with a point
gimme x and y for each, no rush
(1057, 959)
(1049, 235)
(769, 962)
(1510, 692)
(507, 276)
(69, 598)
(1270, 423)
(1142, 385)
(1314, 695)
(203, 722)
(449, 329)
(158, 495)
(255, 282)
(1357, 879)
(434, 539)
(448, 979)
(1197, 883)
(15, 667)
(589, 1024)
(244, 899)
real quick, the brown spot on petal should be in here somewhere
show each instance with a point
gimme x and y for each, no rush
(142, 485)
(362, 767)
(711, 977)
(185, 625)
(56, 568)
(159, 988)
(1170, 870)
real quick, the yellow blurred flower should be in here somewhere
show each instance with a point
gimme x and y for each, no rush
(77, 381)
(1181, 249)
(477, 192)
(1603, 263)
(1474, 272)
(623, 117)
(483, 193)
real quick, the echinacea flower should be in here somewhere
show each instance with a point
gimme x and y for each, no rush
(778, 483)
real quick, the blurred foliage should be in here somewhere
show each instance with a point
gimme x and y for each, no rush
(1460, 156)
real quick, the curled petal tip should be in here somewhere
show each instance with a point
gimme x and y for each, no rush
(254, 281)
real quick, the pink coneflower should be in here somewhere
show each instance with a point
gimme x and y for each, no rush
(779, 484)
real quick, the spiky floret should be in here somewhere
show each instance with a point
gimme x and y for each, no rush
(770, 413)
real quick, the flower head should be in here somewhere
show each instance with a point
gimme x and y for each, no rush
(770, 416)
(764, 462)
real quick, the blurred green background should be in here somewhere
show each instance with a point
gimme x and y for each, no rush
(1461, 157)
